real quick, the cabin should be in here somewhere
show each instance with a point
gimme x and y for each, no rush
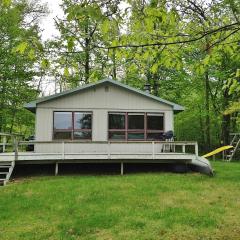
(104, 111)
(107, 122)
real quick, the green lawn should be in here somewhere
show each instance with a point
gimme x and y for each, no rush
(137, 206)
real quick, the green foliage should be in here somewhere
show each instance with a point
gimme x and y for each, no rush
(87, 23)
(105, 39)
(20, 58)
(45, 63)
(6, 3)
(21, 47)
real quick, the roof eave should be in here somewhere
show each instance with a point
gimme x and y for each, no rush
(31, 106)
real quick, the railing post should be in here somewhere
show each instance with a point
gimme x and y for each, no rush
(4, 143)
(184, 148)
(15, 148)
(63, 150)
(153, 150)
(196, 148)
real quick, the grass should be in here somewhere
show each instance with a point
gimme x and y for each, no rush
(138, 206)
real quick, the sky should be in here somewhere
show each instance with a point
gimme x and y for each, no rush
(48, 32)
(47, 23)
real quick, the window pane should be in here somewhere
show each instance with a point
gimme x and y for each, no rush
(82, 135)
(136, 136)
(155, 136)
(135, 121)
(154, 121)
(82, 120)
(116, 121)
(117, 135)
(62, 135)
(62, 120)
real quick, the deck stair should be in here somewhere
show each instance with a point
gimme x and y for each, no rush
(6, 169)
(236, 144)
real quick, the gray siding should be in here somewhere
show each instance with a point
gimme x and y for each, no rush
(100, 101)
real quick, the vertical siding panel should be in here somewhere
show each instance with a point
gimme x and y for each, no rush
(168, 120)
(44, 124)
(100, 127)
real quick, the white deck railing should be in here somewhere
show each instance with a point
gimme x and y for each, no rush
(97, 148)
(109, 149)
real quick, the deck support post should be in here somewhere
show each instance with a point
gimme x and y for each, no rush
(121, 168)
(15, 142)
(56, 168)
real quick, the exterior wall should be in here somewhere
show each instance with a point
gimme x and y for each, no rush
(100, 100)
(168, 120)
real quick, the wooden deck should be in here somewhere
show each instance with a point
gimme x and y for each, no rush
(107, 152)
(96, 157)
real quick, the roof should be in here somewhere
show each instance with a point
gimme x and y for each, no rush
(31, 106)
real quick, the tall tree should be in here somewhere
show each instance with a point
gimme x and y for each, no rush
(86, 24)
(20, 57)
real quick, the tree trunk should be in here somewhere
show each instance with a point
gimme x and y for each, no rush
(207, 115)
(226, 120)
(155, 84)
(87, 62)
(201, 125)
(2, 105)
(87, 55)
(114, 65)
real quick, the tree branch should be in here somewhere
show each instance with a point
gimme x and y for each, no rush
(204, 34)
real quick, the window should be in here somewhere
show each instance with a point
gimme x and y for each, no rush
(117, 121)
(82, 120)
(116, 126)
(155, 126)
(136, 136)
(135, 126)
(72, 125)
(136, 121)
(63, 120)
(155, 121)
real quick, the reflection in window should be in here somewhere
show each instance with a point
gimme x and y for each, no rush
(62, 120)
(72, 125)
(135, 136)
(82, 120)
(82, 135)
(117, 135)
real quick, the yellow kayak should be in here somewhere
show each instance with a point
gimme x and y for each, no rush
(218, 150)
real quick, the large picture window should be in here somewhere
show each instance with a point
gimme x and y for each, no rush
(72, 125)
(135, 126)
